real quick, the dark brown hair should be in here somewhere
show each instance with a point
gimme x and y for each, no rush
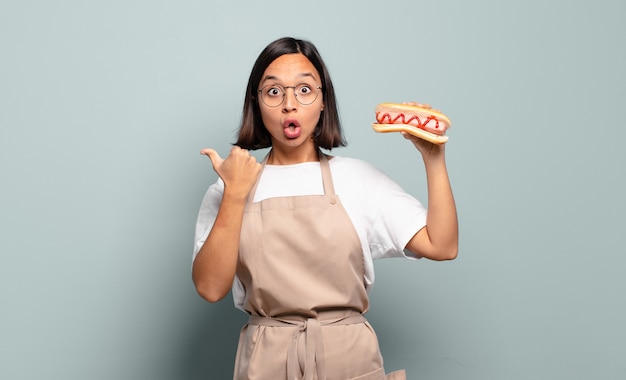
(253, 134)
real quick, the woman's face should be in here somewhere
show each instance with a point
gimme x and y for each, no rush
(291, 80)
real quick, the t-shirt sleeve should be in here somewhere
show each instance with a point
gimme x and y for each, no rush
(398, 217)
(207, 214)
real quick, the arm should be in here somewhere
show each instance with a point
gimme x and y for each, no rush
(214, 267)
(438, 240)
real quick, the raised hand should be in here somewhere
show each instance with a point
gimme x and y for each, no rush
(239, 170)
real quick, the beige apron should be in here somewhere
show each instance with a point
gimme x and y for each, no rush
(301, 263)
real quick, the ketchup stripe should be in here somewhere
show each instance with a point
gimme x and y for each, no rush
(386, 116)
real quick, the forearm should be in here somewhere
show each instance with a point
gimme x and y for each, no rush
(438, 240)
(214, 267)
(441, 222)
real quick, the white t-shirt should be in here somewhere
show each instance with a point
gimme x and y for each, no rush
(384, 215)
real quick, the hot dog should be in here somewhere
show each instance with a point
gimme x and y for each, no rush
(423, 122)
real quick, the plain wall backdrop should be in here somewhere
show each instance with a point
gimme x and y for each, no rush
(105, 105)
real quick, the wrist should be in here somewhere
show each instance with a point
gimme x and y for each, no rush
(233, 195)
(434, 158)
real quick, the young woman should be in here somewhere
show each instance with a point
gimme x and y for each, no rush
(294, 236)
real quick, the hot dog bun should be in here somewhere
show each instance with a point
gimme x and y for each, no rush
(425, 123)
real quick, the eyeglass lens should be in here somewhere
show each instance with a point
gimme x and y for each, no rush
(274, 95)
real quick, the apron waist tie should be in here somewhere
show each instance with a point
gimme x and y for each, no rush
(311, 328)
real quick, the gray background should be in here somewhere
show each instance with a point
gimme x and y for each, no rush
(104, 107)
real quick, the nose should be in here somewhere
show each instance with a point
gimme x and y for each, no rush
(290, 100)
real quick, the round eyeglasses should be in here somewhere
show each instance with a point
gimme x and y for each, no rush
(273, 95)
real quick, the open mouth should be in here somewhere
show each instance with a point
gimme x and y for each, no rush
(291, 128)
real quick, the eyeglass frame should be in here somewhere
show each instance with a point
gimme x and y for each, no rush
(285, 94)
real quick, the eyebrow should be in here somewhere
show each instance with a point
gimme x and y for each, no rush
(273, 77)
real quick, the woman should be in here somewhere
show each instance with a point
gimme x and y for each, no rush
(294, 236)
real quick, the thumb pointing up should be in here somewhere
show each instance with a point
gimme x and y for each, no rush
(239, 170)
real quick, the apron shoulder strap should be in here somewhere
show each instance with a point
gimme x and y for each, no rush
(327, 178)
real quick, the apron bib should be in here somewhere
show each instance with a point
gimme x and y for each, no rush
(301, 263)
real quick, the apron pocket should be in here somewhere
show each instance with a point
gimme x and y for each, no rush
(379, 374)
(396, 375)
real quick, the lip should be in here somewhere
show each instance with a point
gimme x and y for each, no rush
(291, 129)
(289, 122)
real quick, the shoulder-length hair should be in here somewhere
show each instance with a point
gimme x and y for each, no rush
(252, 132)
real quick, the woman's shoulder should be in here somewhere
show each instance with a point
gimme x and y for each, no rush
(354, 166)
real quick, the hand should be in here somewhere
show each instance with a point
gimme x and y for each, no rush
(421, 105)
(426, 148)
(239, 170)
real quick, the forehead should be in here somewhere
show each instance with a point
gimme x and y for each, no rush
(290, 67)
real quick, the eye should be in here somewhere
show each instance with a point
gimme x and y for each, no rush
(274, 91)
(305, 89)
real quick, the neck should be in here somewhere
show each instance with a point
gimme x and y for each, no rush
(287, 157)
